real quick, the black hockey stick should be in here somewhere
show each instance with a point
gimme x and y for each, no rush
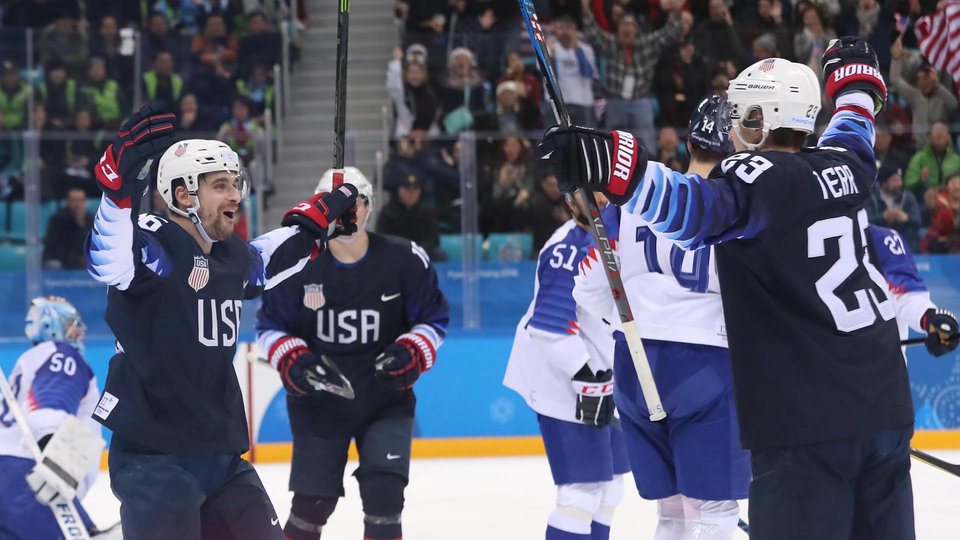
(918, 340)
(945, 466)
(340, 98)
(744, 526)
(647, 384)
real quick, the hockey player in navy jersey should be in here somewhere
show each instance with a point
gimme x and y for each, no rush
(362, 321)
(53, 384)
(561, 364)
(910, 296)
(691, 463)
(821, 390)
(177, 285)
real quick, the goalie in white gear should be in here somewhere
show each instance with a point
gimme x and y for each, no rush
(54, 387)
(561, 364)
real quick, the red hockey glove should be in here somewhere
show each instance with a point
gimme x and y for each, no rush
(594, 396)
(594, 160)
(292, 359)
(319, 213)
(400, 364)
(124, 170)
(941, 328)
(850, 64)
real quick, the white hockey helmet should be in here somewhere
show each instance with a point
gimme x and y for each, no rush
(189, 160)
(786, 93)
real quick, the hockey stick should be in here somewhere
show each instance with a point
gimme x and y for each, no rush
(68, 519)
(344, 389)
(744, 526)
(918, 340)
(647, 384)
(944, 466)
(340, 98)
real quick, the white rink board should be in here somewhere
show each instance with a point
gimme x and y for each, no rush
(510, 498)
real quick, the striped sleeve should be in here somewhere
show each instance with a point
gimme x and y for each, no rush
(851, 128)
(117, 246)
(425, 306)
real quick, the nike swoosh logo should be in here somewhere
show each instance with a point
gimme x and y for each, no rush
(393, 456)
(387, 298)
(274, 521)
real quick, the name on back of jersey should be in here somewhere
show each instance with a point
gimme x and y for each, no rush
(836, 182)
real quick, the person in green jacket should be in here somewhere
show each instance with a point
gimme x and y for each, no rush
(930, 167)
(241, 131)
(161, 82)
(58, 93)
(103, 95)
(14, 96)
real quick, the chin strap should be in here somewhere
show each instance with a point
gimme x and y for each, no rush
(736, 133)
(192, 214)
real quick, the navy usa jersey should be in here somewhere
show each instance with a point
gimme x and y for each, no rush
(350, 312)
(811, 327)
(175, 313)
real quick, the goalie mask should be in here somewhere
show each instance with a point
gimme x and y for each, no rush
(772, 94)
(351, 175)
(52, 318)
(188, 161)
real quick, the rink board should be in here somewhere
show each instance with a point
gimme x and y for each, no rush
(462, 408)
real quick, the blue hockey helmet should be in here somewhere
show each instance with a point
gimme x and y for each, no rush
(709, 126)
(52, 318)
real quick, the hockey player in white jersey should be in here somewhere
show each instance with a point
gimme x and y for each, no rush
(561, 364)
(52, 383)
(691, 463)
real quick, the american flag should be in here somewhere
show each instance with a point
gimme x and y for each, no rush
(200, 274)
(768, 64)
(938, 35)
(313, 296)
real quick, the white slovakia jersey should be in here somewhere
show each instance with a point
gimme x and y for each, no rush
(50, 381)
(554, 339)
(674, 294)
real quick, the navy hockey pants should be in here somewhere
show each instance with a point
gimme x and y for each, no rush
(855, 488)
(191, 497)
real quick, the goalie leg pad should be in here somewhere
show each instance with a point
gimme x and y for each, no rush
(576, 506)
(670, 514)
(308, 515)
(382, 496)
(710, 520)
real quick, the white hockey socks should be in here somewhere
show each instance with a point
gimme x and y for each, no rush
(710, 520)
(670, 514)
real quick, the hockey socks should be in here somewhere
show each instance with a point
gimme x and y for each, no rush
(554, 533)
(599, 531)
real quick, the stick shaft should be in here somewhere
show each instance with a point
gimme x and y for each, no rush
(340, 98)
(934, 461)
(640, 362)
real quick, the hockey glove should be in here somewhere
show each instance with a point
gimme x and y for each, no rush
(302, 373)
(594, 396)
(124, 170)
(319, 213)
(941, 327)
(594, 160)
(850, 64)
(65, 461)
(399, 365)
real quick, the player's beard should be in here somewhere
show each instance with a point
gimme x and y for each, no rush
(218, 225)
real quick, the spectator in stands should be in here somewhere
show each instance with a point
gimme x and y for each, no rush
(631, 57)
(893, 207)
(83, 151)
(671, 151)
(478, 31)
(14, 97)
(191, 122)
(103, 95)
(215, 48)
(929, 100)
(763, 47)
(107, 44)
(770, 21)
(408, 216)
(159, 37)
(884, 149)
(441, 168)
(516, 112)
(63, 245)
(407, 160)
(122, 12)
(434, 38)
(460, 91)
(718, 37)
(37, 13)
(872, 20)
(196, 12)
(258, 89)
(931, 166)
(576, 68)
(511, 190)
(812, 39)
(65, 41)
(681, 82)
(548, 209)
(58, 93)
(241, 131)
(413, 99)
(261, 44)
(530, 85)
(161, 82)
(943, 235)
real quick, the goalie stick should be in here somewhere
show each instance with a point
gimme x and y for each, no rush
(640, 363)
(340, 98)
(68, 519)
(918, 340)
(944, 466)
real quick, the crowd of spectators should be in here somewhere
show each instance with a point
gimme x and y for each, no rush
(642, 66)
(211, 61)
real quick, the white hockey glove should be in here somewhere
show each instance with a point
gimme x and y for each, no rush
(65, 460)
(594, 396)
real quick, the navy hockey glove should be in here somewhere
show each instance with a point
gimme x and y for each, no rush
(850, 64)
(594, 396)
(319, 213)
(124, 170)
(302, 373)
(941, 327)
(612, 162)
(399, 365)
